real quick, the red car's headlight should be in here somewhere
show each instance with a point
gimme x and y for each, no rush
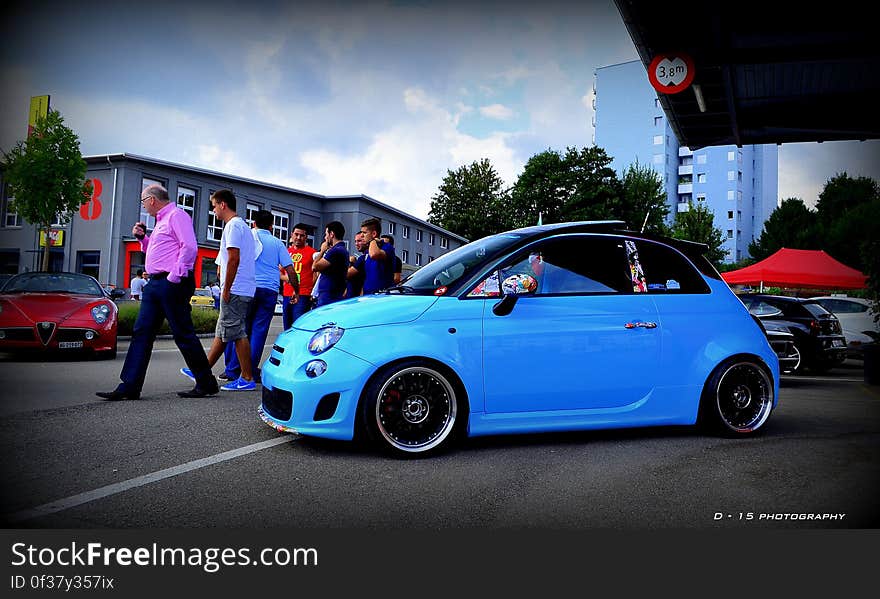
(101, 313)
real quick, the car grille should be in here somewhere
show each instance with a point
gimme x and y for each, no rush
(783, 348)
(45, 330)
(72, 335)
(22, 334)
(278, 403)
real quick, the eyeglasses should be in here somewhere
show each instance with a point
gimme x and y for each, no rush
(144, 199)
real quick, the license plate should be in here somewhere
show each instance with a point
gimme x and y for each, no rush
(836, 343)
(70, 344)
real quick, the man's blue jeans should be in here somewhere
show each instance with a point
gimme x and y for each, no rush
(259, 319)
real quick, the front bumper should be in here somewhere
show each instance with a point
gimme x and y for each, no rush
(57, 339)
(322, 406)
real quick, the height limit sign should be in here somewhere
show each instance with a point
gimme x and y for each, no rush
(671, 73)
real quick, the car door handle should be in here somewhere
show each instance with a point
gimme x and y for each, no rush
(639, 324)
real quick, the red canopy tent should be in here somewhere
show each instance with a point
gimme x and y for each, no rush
(809, 269)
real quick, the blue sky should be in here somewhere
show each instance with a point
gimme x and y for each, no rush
(379, 98)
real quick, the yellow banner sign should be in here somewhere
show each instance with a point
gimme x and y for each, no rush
(39, 109)
(56, 238)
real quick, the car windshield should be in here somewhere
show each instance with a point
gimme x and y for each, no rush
(204, 292)
(458, 265)
(63, 282)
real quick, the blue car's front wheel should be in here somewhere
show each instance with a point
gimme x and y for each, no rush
(412, 408)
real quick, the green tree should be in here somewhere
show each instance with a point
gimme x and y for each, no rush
(471, 202)
(698, 224)
(847, 211)
(791, 225)
(579, 185)
(46, 175)
(644, 199)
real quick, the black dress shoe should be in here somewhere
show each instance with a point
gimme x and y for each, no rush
(199, 392)
(117, 395)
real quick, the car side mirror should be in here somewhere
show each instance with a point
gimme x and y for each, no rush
(505, 305)
(117, 293)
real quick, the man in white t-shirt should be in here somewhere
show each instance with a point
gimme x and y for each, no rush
(137, 286)
(238, 284)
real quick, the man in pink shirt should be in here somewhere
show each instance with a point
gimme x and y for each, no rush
(171, 252)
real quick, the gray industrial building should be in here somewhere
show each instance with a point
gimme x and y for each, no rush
(97, 239)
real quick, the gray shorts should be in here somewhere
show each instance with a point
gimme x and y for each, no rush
(231, 322)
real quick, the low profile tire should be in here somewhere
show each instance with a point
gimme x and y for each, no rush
(412, 409)
(738, 397)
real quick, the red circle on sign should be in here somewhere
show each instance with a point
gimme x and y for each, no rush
(671, 73)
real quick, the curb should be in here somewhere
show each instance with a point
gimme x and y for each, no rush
(199, 335)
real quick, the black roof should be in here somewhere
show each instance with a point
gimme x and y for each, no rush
(769, 72)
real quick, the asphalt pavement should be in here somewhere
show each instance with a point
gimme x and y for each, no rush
(72, 460)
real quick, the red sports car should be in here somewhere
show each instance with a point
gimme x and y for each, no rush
(57, 311)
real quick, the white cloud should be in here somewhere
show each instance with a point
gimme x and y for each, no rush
(497, 111)
(404, 164)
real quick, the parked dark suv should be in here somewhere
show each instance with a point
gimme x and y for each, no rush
(818, 337)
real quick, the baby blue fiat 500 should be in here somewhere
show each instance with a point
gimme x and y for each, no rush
(560, 327)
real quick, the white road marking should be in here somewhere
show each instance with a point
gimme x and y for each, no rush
(75, 500)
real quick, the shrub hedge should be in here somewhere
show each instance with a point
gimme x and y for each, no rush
(204, 320)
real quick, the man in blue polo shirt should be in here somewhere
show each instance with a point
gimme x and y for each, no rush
(379, 260)
(332, 262)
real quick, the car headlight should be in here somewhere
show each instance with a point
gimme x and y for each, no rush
(324, 339)
(101, 313)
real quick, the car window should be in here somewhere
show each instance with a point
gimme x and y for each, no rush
(815, 308)
(761, 308)
(660, 269)
(571, 264)
(843, 306)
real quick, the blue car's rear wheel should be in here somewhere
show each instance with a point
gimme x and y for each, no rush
(412, 408)
(739, 397)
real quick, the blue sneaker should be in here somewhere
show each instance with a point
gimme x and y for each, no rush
(239, 385)
(187, 372)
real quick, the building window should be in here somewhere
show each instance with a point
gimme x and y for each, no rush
(88, 263)
(418, 259)
(731, 175)
(444, 243)
(658, 120)
(9, 262)
(249, 213)
(658, 158)
(431, 238)
(60, 220)
(281, 225)
(406, 231)
(658, 140)
(701, 178)
(701, 159)
(209, 271)
(404, 256)
(730, 215)
(391, 227)
(430, 258)
(731, 195)
(730, 233)
(144, 216)
(656, 102)
(731, 155)
(739, 177)
(186, 200)
(11, 219)
(215, 225)
(419, 235)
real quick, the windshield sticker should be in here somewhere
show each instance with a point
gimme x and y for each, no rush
(672, 284)
(440, 290)
(489, 287)
(640, 285)
(656, 287)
